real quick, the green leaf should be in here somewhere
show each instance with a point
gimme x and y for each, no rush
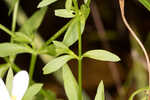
(68, 4)
(64, 13)
(32, 91)
(102, 55)
(137, 92)
(63, 49)
(56, 64)
(3, 69)
(100, 92)
(33, 23)
(7, 49)
(145, 3)
(87, 2)
(12, 5)
(60, 48)
(60, 45)
(70, 84)
(51, 50)
(71, 35)
(44, 3)
(85, 11)
(21, 37)
(9, 80)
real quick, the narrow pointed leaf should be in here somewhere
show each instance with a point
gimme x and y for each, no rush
(44, 3)
(102, 55)
(21, 37)
(50, 50)
(7, 49)
(56, 64)
(68, 4)
(32, 91)
(9, 80)
(60, 45)
(13, 2)
(87, 2)
(60, 48)
(33, 23)
(85, 12)
(70, 84)
(64, 13)
(100, 92)
(145, 3)
(71, 35)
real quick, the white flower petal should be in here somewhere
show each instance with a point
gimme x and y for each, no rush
(4, 95)
(20, 84)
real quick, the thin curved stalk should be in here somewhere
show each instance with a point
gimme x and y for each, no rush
(14, 18)
(13, 28)
(121, 2)
(57, 34)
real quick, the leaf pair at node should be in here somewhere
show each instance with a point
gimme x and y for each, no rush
(60, 61)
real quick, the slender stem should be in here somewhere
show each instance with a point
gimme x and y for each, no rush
(15, 68)
(59, 32)
(15, 16)
(79, 50)
(134, 35)
(121, 2)
(80, 59)
(76, 4)
(80, 77)
(6, 30)
(22, 19)
(13, 27)
(32, 65)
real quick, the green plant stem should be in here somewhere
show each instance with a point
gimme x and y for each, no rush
(22, 18)
(57, 34)
(13, 27)
(6, 30)
(79, 50)
(15, 68)
(80, 78)
(32, 65)
(15, 16)
(80, 59)
(76, 5)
